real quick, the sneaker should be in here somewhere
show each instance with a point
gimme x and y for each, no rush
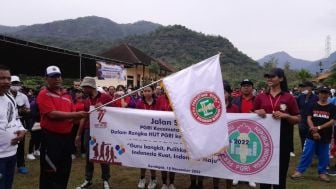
(106, 185)
(252, 184)
(37, 153)
(23, 170)
(86, 184)
(142, 183)
(324, 177)
(152, 184)
(296, 175)
(31, 157)
(235, 182)
(171, 186)
(164, 186)
(332, 172)
(292, 154)
(73, 156)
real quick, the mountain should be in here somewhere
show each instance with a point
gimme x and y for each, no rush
(10, 29)
(182, 47)
(84, 28)
(176, 44)
(327, 63)
(282, 58)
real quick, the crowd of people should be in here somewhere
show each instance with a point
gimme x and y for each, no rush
(57, 119)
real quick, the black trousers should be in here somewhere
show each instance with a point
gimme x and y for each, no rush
(20, 154)
(35, 141)
(303, 131)
(55, 160)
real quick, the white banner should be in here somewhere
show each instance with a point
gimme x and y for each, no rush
(110, 71)
(150, 139)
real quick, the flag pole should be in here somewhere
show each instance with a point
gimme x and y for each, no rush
(125, 95)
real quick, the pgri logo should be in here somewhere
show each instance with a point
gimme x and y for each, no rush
(100, 116)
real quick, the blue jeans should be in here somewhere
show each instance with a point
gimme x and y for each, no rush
(7, 168)
(310, 148)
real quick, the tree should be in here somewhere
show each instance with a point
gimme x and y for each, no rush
(303, 75)
(269, 65)
(332, 78)
(287, 67)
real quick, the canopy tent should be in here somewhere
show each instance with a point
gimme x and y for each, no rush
(24, 57)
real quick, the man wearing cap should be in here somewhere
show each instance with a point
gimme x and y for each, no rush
(245, 105)
(11, 130)
(245, 100)
(305, 102)
(95, 98)
(23, 107)
(321, 117)
(57, 112)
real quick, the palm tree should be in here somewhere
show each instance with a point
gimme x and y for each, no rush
(303, 75)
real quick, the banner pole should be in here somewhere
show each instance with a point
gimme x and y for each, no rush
(125, 95)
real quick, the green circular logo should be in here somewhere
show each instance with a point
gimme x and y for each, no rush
(245, 148)
(206, 107)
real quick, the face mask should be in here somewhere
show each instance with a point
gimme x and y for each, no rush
(15, 88)
(305, 92)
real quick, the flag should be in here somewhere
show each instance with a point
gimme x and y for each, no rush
(197, 97)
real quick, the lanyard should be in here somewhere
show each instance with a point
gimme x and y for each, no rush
(276, 102)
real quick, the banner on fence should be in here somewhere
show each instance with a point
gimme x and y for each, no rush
(150, 139)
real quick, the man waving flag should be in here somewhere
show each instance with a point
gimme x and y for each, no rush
(197, 97)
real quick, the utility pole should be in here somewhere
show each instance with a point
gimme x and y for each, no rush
(327, 46)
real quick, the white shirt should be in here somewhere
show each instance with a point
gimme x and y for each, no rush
(9, 124)
(22, 99)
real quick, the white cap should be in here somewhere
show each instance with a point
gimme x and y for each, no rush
(52, 71)
(15, 78)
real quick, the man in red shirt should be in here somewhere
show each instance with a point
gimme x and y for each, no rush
(57, 113)
(245, 100)
(245, 105)
(96, 99)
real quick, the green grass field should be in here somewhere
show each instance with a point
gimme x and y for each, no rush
(127, 178)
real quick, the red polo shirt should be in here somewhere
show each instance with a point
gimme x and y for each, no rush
(283, 102)
(49, 101)
(142, 104)
(99, 98)
(246, 105)
(232, 108)
(117, 103)
(163, 103)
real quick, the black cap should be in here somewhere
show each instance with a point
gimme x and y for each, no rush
(323, 89)
(275, 72)
(246, 81)
(307, 84)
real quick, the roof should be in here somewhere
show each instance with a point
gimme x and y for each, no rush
(128, 53)
(166, 66)
(322, 76)
(29, 58)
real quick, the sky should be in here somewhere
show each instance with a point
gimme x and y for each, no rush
(255, 27)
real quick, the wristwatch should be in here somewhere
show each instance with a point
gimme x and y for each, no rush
(319, 128)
